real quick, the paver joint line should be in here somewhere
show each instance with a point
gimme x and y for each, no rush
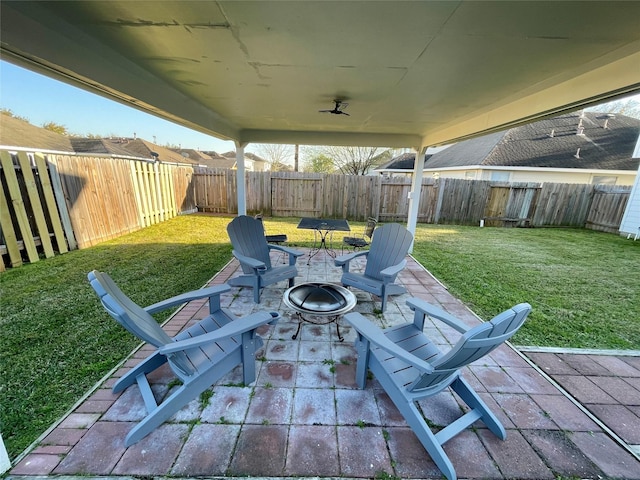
(310, 417)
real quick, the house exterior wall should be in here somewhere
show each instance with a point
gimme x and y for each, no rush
(630, 224)
(624, 178)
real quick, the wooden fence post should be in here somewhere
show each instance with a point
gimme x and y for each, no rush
(440, 185)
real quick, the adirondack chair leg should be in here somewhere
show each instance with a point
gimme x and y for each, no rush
(169, 407)
(249, 347)
(471, 398)
(362, 347)
(146, 366)
(415, 420)
(383, 307)
(417, 423)
(256, 289)
(391, 289)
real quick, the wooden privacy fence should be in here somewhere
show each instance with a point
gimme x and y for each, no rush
(55, 203)
(443, 201)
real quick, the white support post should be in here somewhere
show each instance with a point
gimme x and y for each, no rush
(414, 194)
(5, 463)
(240, 176)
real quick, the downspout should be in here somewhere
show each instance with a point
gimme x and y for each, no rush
(414, 194)
(240, 177)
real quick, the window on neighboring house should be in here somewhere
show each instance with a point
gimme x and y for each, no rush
(470, 175)
(500, 176)
(603, 180)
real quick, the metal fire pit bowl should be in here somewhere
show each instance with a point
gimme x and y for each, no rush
(319, 299)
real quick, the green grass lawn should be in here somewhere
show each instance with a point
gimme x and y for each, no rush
(584, 286)
(56, 340)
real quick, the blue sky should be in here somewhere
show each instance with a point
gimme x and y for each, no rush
(41, 99)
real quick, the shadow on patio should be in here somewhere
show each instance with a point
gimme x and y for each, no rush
(305, 417)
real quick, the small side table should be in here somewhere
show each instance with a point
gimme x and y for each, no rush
(318, 299)
(323, 228)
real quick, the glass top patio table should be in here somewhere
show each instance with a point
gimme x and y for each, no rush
(323, 228)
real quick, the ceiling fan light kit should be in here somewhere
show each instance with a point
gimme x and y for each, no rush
(338, 109)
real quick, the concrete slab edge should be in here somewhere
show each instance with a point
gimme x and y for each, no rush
(579, 351)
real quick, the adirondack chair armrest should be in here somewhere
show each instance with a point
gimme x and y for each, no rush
(251, 262)
(231, 329)
(389, 273)
(375, 336)
(208, 292)
(425, 308)
(343, 260)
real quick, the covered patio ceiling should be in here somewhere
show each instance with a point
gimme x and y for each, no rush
(414, 73)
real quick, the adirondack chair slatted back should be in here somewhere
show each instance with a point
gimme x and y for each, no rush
(135, 319)
(389, 245)
(474, 344)
(247, 237)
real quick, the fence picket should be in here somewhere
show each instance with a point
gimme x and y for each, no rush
(35, 203)
(59, 195)
(50, 201)
(9, 233)
(101, 197)
(19, 206)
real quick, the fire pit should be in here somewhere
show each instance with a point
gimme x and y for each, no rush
(319, 300)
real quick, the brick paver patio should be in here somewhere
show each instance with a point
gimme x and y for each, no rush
(304, 416)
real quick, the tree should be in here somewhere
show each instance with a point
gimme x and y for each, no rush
(319, 163)
(275, 153)
(8, 112)
(278, 166)
(56, 128)
(356, 160)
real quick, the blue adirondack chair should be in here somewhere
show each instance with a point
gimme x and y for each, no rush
(385, 259)
(251, 249)
(410, 368)
(199, 356)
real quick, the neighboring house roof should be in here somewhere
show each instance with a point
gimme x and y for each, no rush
(106, 146)
(251, 156)
(227, 159)
(220, 161)
(404, 161)
(605, 142)
(552, 143)
(18, 133)
(193, 155)
(141, 148)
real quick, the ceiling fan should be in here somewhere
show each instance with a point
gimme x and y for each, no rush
(338, 109)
